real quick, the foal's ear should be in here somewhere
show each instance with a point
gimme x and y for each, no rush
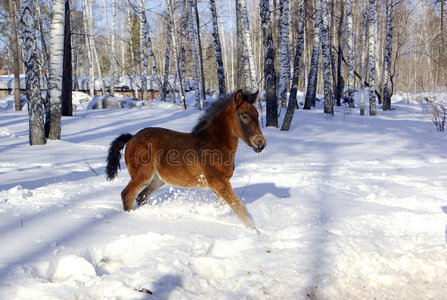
(239, 98)
(252, 97)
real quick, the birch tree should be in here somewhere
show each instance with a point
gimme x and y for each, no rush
(246, 71)
(93, 43)
(192, 34)
(372, 57)
(199, 45)
(363, 59)
(180, 72)
(89, 48)
(15, 55)
(111, 33)
(387, 88)
(350, 47)
(164, 91)
(218, 49)
(67, 73)
(56, 67)
(293, 103)
(284, 67)
(36, 119)
(313, 72)
(269, 64)
(248, 43)
(144, 33)
(326, 59)
(132, 55)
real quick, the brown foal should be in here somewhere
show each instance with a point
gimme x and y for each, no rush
(203, 158)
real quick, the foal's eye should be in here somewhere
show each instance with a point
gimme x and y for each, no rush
(244, 117)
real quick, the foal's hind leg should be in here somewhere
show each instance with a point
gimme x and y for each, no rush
(134, 186)
(154, 185)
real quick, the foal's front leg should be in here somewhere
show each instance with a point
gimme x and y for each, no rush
(223, 188)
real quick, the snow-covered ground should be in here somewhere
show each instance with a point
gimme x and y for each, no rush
(348, 207)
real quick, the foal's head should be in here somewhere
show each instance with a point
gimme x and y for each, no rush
(247, 123)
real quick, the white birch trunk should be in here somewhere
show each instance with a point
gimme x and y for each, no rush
(293, 103)
(232, 80)
(180, 74)
(199, 41)
(313, 71)
(93, 44)
(164, 90)
(251, 60)
(269, 64)
(192, 34)
(372, 57)
(56, 64)
(387, 90)
(36, 119)
(225, 53)
(350, 46)
(144, 33)
(284, 68)
(148, 43)
(218, 49)
(326, 59)
(363, 59)
(132, 55)
(89, 51)
(111, 46)
(14, 42)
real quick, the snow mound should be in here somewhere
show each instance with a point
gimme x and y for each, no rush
(70, 267)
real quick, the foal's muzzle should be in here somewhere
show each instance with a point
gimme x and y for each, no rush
(258, 143)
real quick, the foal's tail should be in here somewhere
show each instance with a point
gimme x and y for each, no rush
(113, 159)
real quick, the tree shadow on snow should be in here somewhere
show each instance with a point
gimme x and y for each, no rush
(444, 209)
(165, 285)
(252, 192)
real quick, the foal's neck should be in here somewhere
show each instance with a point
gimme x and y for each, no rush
(221, 129)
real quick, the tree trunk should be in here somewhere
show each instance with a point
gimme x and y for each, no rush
(363, 60)
(15, 49)
(244, 69)
(269, 66)
(339, 81)
(89, 51)
(372, 57)
(350, 44)
(313, 72)
(144, 33)
(293, 103)
(44, 61)
(218, 49)
(326, 58)
(67, 76)
(180, 73)
(248, 44)
(93, 43)
(284, 68)
(132, 54)
(199, 44)
(36, 119)
(164, 91)
(56, 68)
(193, 36)
(112, 52)
(387, 92)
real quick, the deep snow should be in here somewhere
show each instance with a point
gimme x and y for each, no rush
(349, 207)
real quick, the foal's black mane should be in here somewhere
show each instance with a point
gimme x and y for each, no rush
(211, 112)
